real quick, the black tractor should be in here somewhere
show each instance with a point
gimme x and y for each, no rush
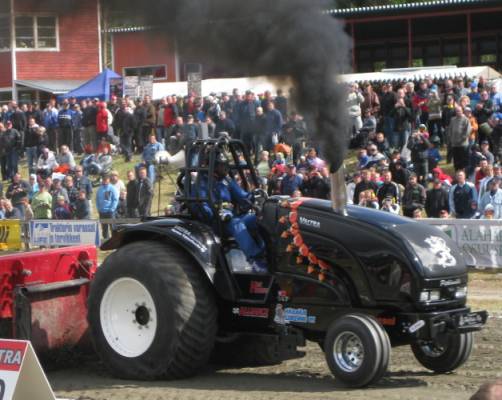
(178, 291)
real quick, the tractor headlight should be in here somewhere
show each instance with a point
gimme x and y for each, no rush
(461, 292)
(430, 295)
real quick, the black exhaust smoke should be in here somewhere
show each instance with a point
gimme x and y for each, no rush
(291, 38)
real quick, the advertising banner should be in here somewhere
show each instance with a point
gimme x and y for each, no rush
(10, 234)
(63, 233)
(117, 87)
(479, 240)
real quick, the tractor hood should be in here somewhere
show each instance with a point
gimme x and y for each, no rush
(426, 246)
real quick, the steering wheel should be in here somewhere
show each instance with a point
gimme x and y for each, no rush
(259, 196)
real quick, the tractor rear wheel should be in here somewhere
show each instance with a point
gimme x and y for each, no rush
(446, 353)
(356, 352)
(151, 312)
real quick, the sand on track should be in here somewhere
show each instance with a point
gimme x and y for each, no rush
(306, 378)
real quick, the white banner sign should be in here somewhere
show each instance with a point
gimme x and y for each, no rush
(63, 233)
(479, 240)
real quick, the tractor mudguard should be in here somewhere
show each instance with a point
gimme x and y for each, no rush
(194, 237)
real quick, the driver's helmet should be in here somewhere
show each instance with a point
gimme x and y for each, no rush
(221, 165)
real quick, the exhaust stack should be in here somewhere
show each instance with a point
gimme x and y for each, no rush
(338, 191)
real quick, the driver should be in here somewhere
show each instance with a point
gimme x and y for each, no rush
(229, 195)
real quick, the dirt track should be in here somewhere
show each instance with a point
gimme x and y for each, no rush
(297, 379)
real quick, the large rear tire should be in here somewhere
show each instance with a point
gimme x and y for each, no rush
(445, 354)
(151, 312)
(356, 351)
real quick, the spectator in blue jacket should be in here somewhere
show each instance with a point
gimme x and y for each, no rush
(273, 122)
(65, 124)
(50, 122)
(107, 200)
(152, 148)
(291, 181)
(76, 120)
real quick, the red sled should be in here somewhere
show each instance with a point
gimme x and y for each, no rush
(43, 296)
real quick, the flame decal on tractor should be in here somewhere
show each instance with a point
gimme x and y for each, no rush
(304, 256)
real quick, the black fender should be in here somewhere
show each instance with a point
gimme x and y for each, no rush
(196, 238)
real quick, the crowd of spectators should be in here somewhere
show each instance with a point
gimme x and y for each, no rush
(400, 133)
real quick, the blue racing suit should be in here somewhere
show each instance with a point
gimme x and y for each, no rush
(227, 190)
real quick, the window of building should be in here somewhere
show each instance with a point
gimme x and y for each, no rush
(36, 32)
(379, 65)
(488, 58)
(455, 60)
(417, 62)
(159, 72)
(4, 32)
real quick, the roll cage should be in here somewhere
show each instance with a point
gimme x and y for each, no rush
(197, 179)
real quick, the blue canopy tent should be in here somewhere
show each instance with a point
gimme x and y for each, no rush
(97, 87)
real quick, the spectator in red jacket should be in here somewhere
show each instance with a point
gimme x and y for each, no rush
(102, 120)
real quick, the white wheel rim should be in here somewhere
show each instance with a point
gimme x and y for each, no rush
(128, 317)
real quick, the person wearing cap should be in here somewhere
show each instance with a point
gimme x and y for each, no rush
(436, 199)
(62, 209)
(493, 196)
(148, 156)
(58, 190)
(291, 181)
(489, 212)
(389, 205)
(461, 196)
(485, 151)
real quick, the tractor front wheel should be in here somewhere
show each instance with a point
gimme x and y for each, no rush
(357, 350)
(446, 353)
